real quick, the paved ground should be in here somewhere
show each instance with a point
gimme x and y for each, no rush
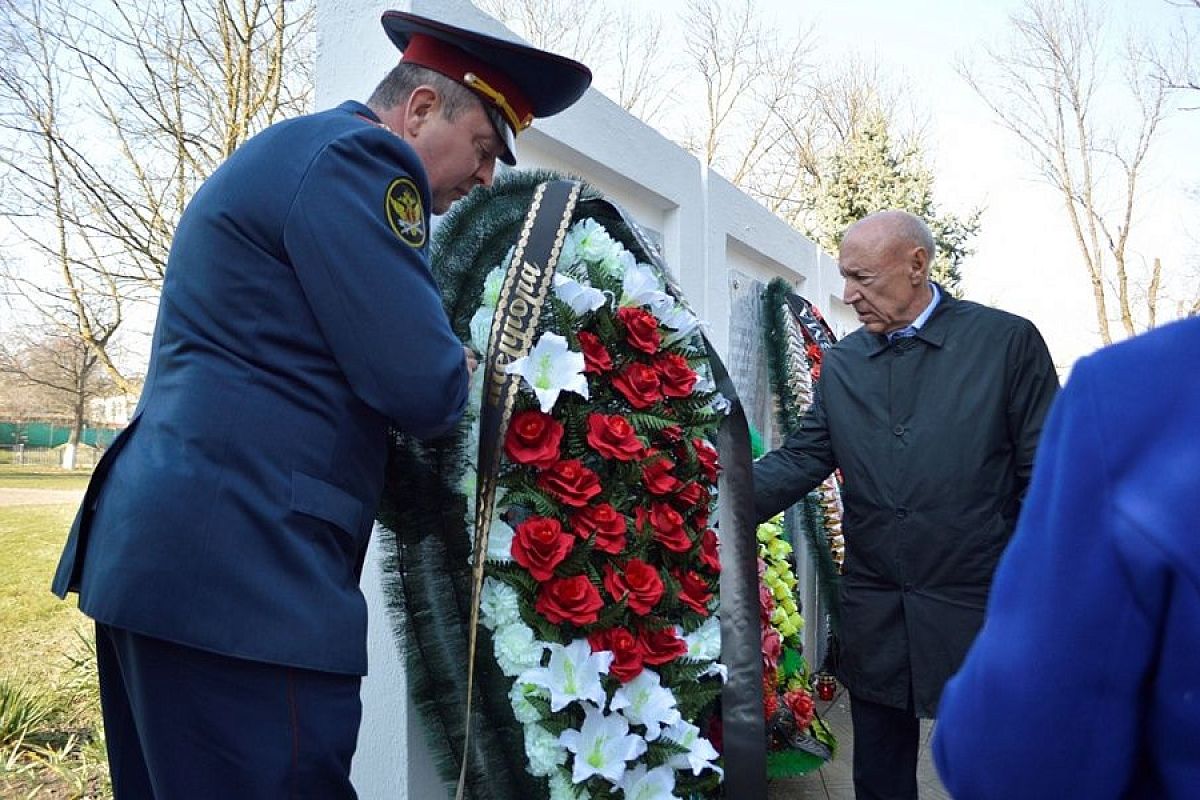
(834, 781)
(39, 497)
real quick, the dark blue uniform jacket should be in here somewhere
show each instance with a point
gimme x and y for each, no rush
(295, 322)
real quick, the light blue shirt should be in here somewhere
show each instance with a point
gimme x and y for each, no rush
(922, 318)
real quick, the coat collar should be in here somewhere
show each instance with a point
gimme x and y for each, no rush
(933, 332)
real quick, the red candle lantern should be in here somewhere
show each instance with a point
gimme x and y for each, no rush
(826, 686)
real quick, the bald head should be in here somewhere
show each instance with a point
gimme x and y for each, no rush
(894, 228)
(885, 260)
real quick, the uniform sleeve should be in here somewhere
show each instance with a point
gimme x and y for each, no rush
(1033, 384)
(372, 293)
(1048, 702)
(783, 476)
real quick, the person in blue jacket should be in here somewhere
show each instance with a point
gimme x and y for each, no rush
(220, 542)
(1085, 680)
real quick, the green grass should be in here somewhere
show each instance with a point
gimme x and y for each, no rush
(47, 662)
(13, 476)
(35, 626)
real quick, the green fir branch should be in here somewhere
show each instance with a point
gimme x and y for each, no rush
(787, 405)
(693, 698)
(646, 423)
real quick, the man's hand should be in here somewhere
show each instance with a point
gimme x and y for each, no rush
(472, 360)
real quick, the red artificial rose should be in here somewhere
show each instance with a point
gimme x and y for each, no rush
(662, 646)
(596, 359)
(815, 354)
(637, 583)
(656, 474)
(766, 600)
(770, 698)
(707, 456)
(639, 384)
(641, 521)
(677, 377)
(700, 520)
(641, 329)
(671, 433)
(613, 437)
(710, 550)
(800, 703)
(533, 438)
(772, 647)
(573, 600)
(668, 528)
(626, 650)
(693, 590)
(539, 545)
(691, 494)
(570, 483)
(606, 523)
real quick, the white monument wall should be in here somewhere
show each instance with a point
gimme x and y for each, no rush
(719, 242)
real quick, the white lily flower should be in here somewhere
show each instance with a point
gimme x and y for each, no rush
(545, 752)
(721, 404)
(718, 669)
(680, 319)
(640, 287)
(644, 701)
(516, 648)
(642, 784)
(700, 753)
(550, 369)
(573, 674)
(704, 384)
(579, 297)
(683, 321)
(601, 746)
(498, 605)
(704, 643)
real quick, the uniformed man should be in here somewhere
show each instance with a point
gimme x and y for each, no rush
(219, 545)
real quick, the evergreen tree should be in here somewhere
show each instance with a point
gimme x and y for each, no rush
(871, 171)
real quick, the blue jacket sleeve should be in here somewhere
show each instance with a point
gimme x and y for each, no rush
(372, 293)
(1048, 703)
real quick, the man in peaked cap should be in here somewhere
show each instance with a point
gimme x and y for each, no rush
(220, 542)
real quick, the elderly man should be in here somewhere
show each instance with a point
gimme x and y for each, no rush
(220, 542)
(932, 411)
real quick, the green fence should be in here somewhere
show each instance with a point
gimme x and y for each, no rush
(45, 434)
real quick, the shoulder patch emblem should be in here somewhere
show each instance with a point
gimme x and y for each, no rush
(404, 213)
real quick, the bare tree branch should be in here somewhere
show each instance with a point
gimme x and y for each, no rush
(1042, 85)
(111, 115)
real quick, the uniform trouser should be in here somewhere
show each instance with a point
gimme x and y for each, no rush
(182, 723)
(886, 743)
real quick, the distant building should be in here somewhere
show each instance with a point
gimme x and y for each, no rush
(113, 410)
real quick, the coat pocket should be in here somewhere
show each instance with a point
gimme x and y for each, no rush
(325, 501)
